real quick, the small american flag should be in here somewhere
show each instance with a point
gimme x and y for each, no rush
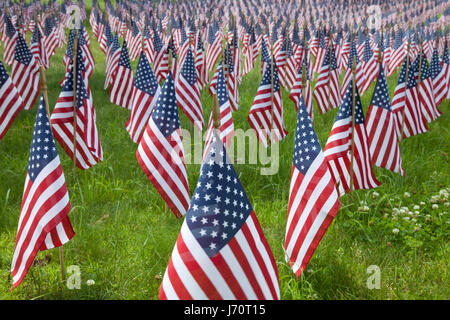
(25, 73)
(121, 89)
(399, 99)
(9, 39)
(215, 46)
(200, 63)
(50, 36)
(339, 147)
(369, 65)
(313, 198)
(10, 101)
(327, 90)
(360, 76)
(161, 154)
(380, 125)
(88, 147)
(161, 58)
(37, 48)
(221, 252)
(297, 89)
(44, 221)
(112, 60)
(260, 114)
(426, 93)
(145, 94)
(439, 82)
(188, 92)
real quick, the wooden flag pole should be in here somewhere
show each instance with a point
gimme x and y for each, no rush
(353, 129)
(74, 70)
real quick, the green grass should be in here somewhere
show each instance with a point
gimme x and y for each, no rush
(124, 238)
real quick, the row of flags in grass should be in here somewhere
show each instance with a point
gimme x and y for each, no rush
(221, 251)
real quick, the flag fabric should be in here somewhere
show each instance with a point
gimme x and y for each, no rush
(426, 92)
(399, 100)
(200, 63)
(360, 76)
(160, 153)
(215, 46)
(226, 128)
(413, 119)
(446, 68)
(9, 40)
(25, 73)
(145, 94)
(438, 79)
(10, 101)
(398, 53)
(369, 65)
(221, 251)
(112, 60)
(50, 36)
(88, 146)
(321, 53)
(161, 58)
(380, 125)
(121, 89)
(288, 72)
(327, 91)
(44, 221)
(313, 198)
(338, 150)
(37, 48)
(188, 92)
(266, 103)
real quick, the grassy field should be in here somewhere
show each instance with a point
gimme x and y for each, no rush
(124, 238)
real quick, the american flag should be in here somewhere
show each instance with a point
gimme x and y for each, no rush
(397, 53)
(10, 101)
(413, 120)
(37, 48)
(231, 79)
(50, 36)
(426, 93)
(446, 67)
(88, 147)
(221, 252)
(161, 154)
(266, 103)
(188, 92)
(145, 94)
(215, 46)
(439, 79)
(106, 39)
(236, 52)
(338, 148)
(297, 89)
(121, 89)
(200, 64)
(226, 114)
(112, 60)
(161, 58)
(360, 76)
(369, 65)
(25, 73)
(9, 39)
(321, 53)
(399, 99)
(327, 90)
(380, 125)
(313, 199)
(44, 221)
(288, 72)
(185, 45)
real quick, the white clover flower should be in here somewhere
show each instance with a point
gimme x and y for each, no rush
(90, 282)
(410, 213)
(447, 204)
(403, 211)
(375, 195)
(422, 203)
(443, 193)
(406, 218)
(416, 207)
(407, 195)
(434, 199)
(413, 220)
(434, 207)
(395, 231)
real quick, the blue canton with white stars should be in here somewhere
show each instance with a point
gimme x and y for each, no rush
(145, 78)
(188, 70)
(380, 96)
(22, 53)
(219, 205)
(165, 115)
(124, 59)
(43, 148)
(307, 145)
(425, 71)
(436, 67)
(221, 88)
(81, 90)
(368, 53)
(10, 30)
(345, 111)
(414, 69)
(353, 53)
(265, 56)
(3, 75)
